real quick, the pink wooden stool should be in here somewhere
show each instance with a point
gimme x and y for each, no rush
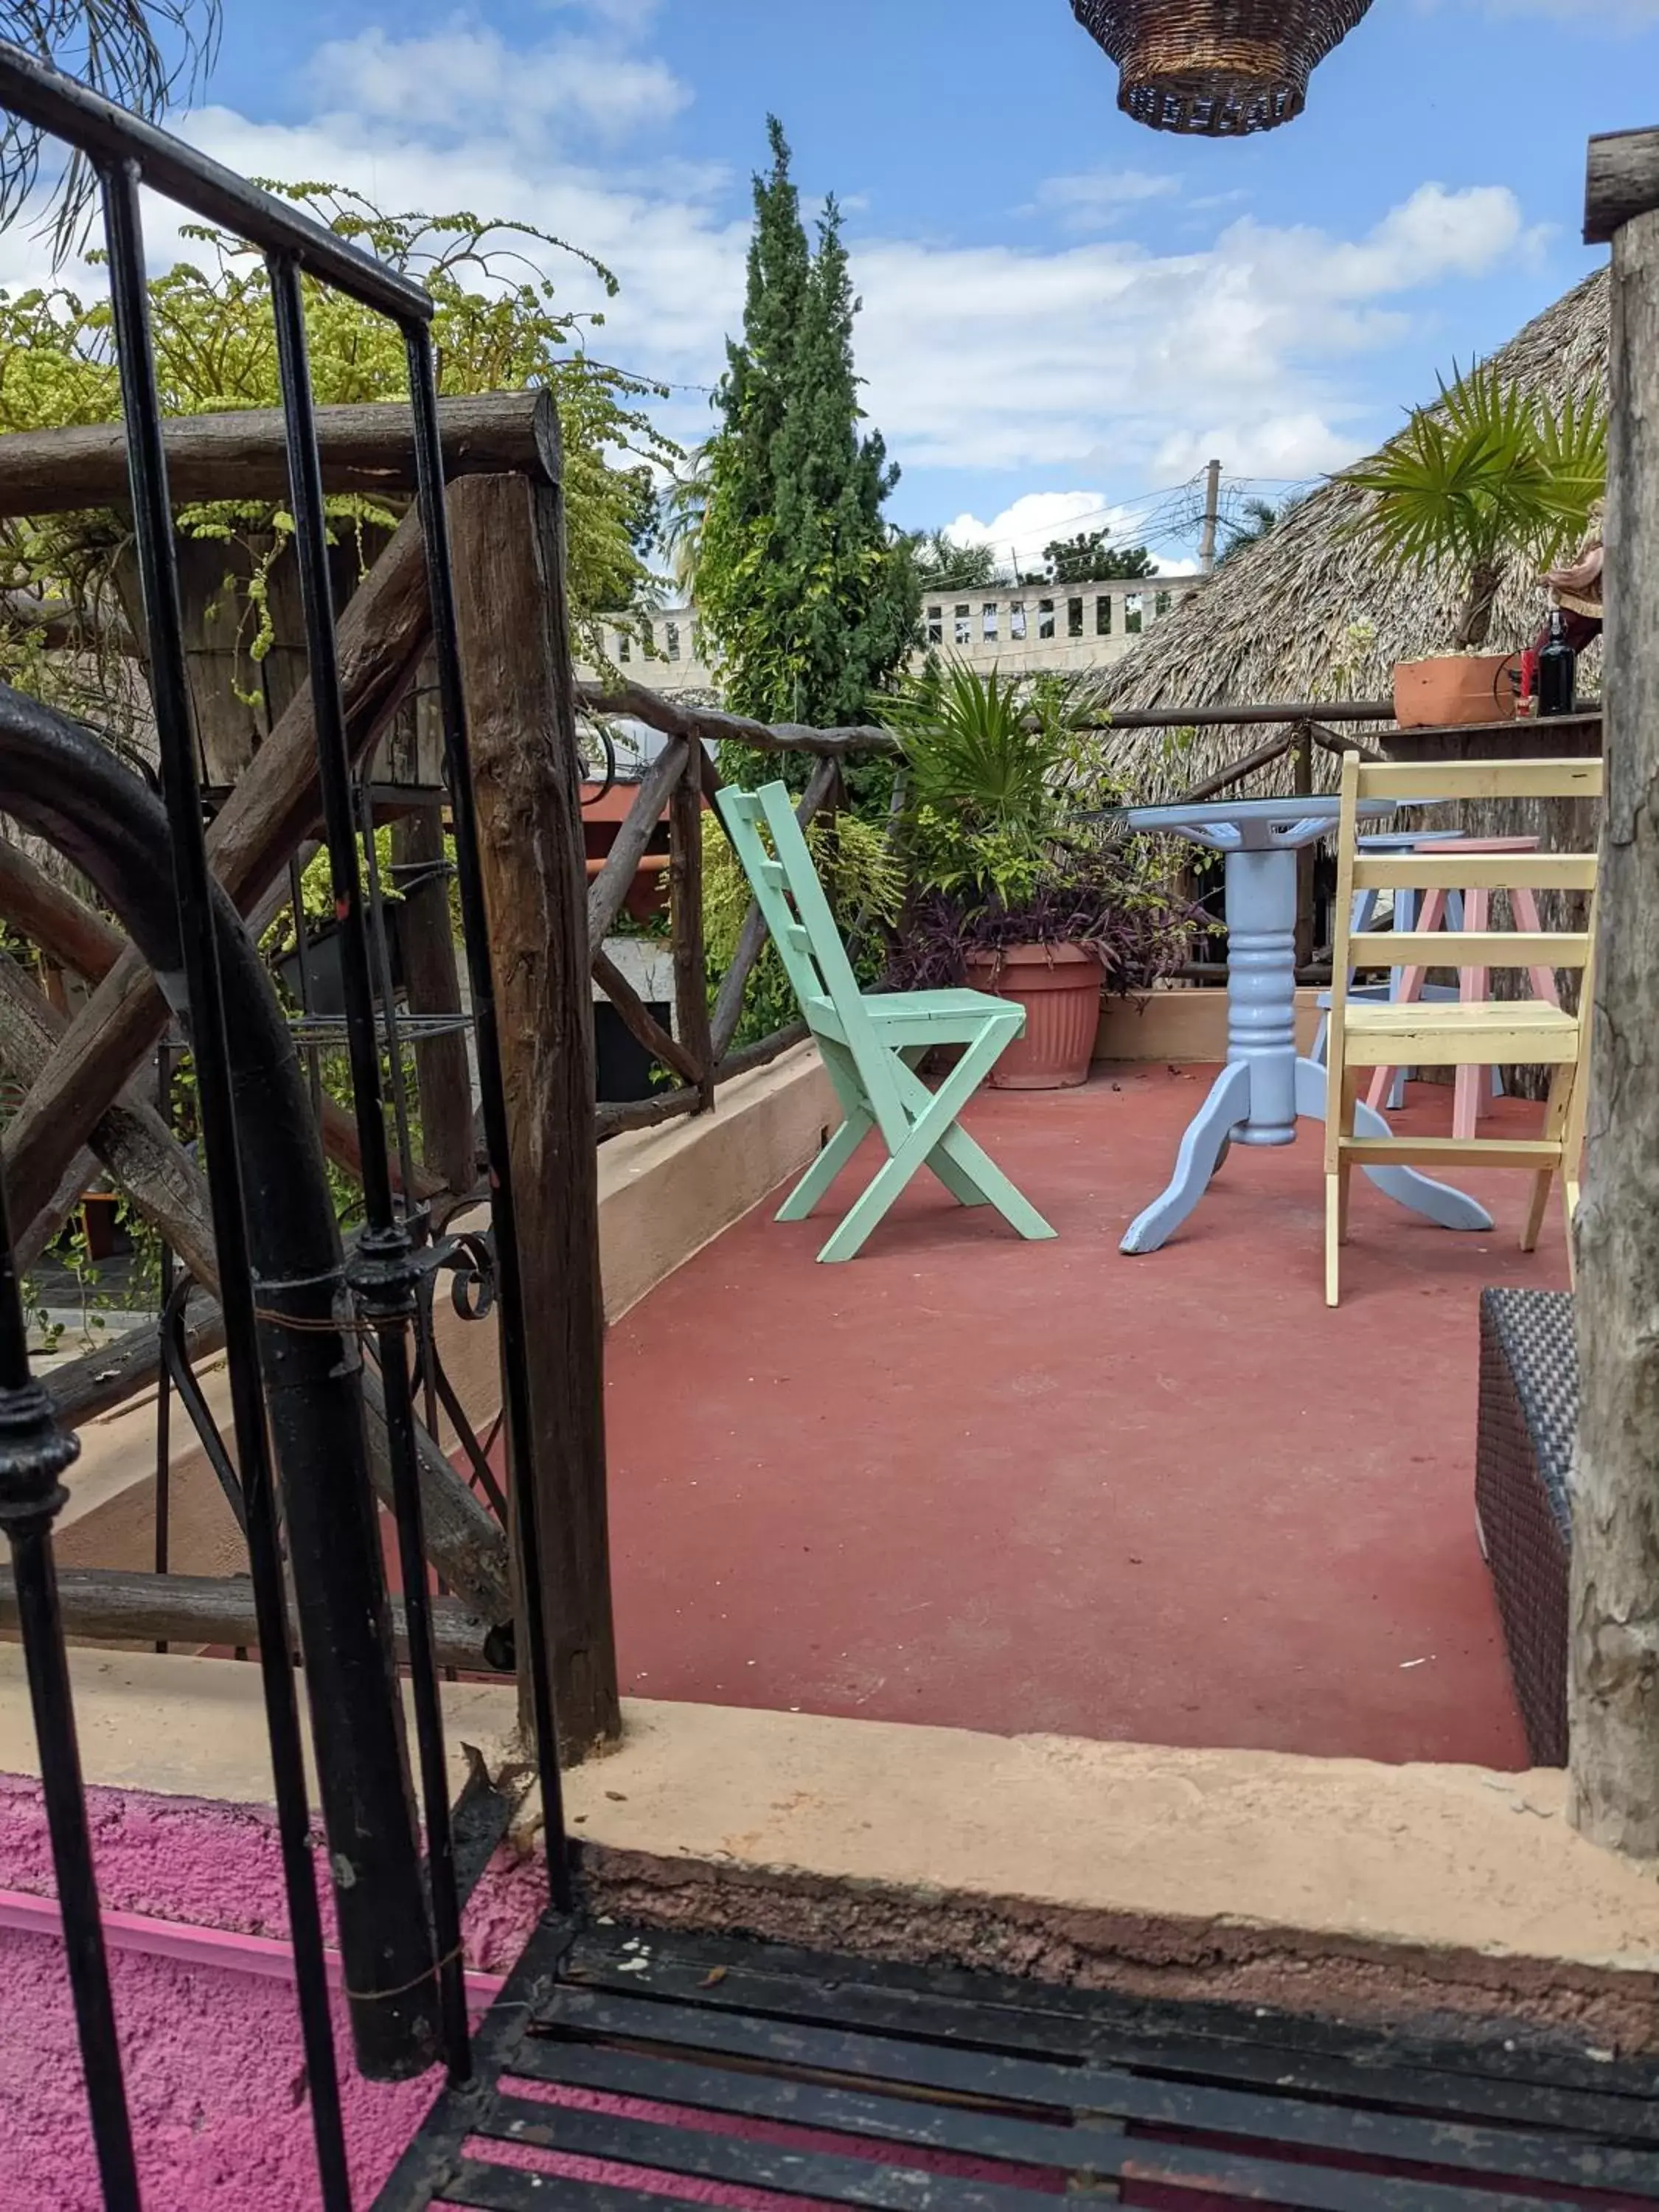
(1474, 1089)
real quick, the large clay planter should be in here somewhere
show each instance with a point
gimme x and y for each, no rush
(1058, 986)
(1453, 688)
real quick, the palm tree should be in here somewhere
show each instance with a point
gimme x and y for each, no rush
(140, 52)
(1481, 478)
(683, 508)
(943, 565)
(1259, 517)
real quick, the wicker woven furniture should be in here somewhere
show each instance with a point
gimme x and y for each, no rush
(1523, 1469)
(1216, 68)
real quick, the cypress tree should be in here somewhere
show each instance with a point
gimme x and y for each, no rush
(808, 597)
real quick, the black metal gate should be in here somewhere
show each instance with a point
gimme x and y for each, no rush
(297, 1308)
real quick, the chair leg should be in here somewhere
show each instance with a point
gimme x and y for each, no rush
(1469, 1091)
(1555, 1126)
(814, 1184)
(1345, 1170)
(991, 1186)
(1540, 1199)
(1339, 1179)
(966, 1170)
(839, 1066)
(931, 1126)
(960, 1187)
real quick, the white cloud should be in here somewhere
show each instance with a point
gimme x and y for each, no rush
(1022, 530)
(1100, 362)
(1099, 197)
(447, 81)
(1017, 536)
(1110, 356)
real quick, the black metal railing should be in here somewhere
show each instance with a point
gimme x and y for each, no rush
(297, 1310)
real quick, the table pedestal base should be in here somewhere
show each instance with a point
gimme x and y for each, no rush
(1228, 1107)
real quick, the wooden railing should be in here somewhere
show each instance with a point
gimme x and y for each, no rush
(699, 1051)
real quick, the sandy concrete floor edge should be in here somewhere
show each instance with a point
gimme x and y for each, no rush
(1327, 1885)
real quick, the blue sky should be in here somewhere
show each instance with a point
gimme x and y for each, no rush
(1060, 305)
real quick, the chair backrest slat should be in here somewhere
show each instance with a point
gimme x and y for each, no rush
(1500, 948)
(1496, 779)
(1476, 872)
(797, 913)
(1571, 946)
(746, 825)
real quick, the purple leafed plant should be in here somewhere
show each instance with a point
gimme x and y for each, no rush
(1098, 899)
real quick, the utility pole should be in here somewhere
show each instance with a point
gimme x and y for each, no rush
(1212, 516)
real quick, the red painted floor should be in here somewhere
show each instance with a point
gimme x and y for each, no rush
(972, 1481)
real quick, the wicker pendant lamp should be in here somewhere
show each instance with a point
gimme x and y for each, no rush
(1216, 68)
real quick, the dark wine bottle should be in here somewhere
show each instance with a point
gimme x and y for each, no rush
(1558, 670)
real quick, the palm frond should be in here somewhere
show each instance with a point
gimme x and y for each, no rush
(142, 53)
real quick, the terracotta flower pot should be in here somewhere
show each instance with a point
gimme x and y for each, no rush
(1058, 986)
(1453, 688)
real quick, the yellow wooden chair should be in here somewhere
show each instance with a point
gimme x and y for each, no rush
(1485, 1032)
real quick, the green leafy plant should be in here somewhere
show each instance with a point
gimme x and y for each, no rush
(317, 894)
(1481, 478)
(997, 856)
(499, 326)
(986, 756)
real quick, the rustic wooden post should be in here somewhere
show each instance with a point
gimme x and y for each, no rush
(685, 910)
(447, 1146)
(509, 585)
(1613, 1675)
(1302, 764)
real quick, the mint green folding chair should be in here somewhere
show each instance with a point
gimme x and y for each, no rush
(872, 1043)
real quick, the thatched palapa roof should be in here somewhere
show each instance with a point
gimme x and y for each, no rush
(1274, 623)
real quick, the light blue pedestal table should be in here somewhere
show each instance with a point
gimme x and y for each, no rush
(1266, 1088)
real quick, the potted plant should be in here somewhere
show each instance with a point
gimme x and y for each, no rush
(1473, 484)
(1004, 895)
(323, 985)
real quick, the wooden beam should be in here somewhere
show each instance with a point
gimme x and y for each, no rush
(108, 1376)
(1343, 741)
(367, 448)
(78, 938)
(1236, 771)
(1614, 1663)
(49, 916)
(510, 602)
(1621, 182)
(709, 725)
(132, 1139)
(639, 1022)
(116, 1606)
(608, 890)
(685, 922)
(426, 933)
(728, 999)
(382, 635)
